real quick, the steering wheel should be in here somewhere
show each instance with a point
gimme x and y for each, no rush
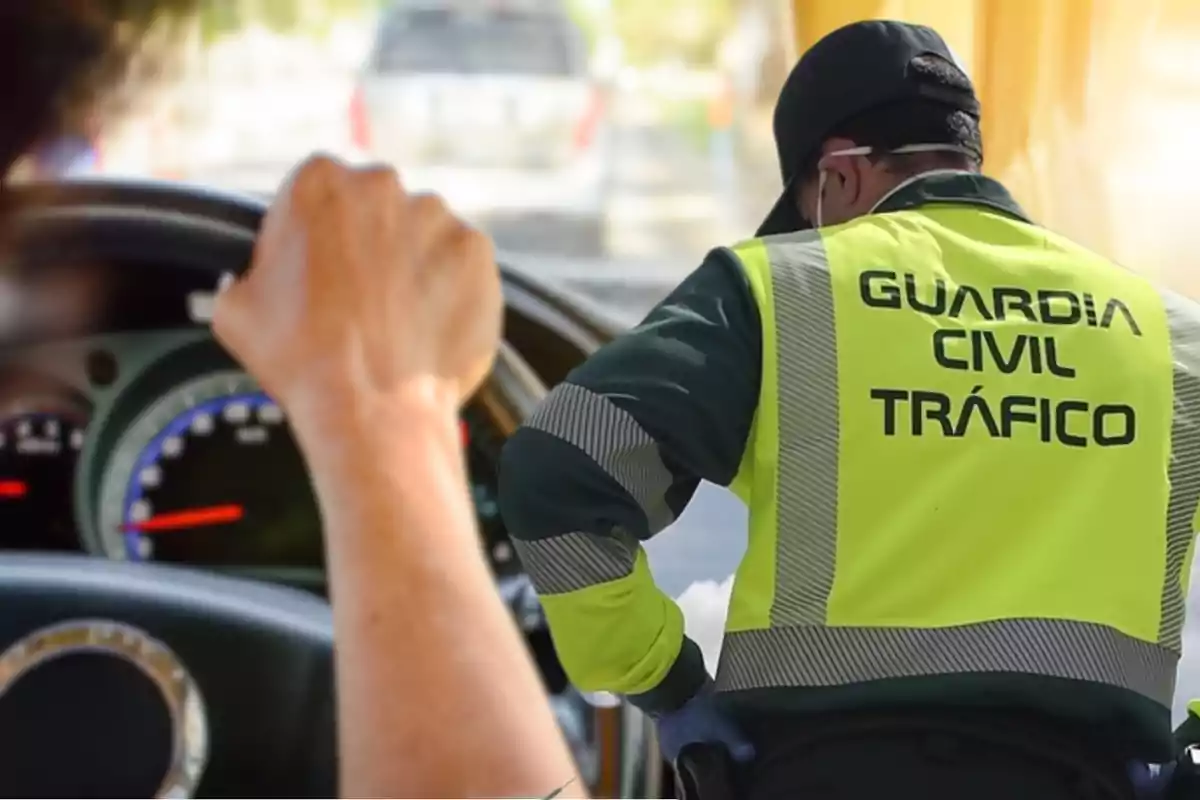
(130, 718)
(132, 680)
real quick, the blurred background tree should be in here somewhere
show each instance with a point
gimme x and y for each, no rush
(303, 17)
(657, 31)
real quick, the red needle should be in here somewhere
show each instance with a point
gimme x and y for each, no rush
(13, 490)
(190, 518)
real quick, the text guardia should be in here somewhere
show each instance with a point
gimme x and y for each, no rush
(1067, 422)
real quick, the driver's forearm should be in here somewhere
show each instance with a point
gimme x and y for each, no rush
(437, 696)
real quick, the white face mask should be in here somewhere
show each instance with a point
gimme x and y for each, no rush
(864, 151)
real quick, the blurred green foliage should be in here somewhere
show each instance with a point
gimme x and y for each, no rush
(655, 31)
(690, 118)
(586, 18)
(311, 17)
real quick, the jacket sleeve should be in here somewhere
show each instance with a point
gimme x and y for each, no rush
(612, 456)
(1188, 732)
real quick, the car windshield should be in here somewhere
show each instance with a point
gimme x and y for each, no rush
(608, 145)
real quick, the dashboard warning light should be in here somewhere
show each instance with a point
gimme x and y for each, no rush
(13, 490)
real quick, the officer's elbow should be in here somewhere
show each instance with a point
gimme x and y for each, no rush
(525, 475)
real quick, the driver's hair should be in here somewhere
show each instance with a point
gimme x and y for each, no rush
(66, 63)
(68, 67)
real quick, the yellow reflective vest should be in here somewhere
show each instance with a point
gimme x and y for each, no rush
(977, 451)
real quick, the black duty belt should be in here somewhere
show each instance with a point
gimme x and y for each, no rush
(705, 772)
(1185, 779)
(708, 772)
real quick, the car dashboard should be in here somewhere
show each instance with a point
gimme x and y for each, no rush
(141, 440)
(138, 439)
(129, 437)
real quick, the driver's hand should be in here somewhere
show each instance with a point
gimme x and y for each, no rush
(361, 293)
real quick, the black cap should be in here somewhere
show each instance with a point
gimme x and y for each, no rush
(851, 70)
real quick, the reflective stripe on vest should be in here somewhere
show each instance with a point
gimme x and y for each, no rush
(977, 449)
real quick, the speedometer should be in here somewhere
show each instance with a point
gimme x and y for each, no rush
(209, 475)
(37, 465)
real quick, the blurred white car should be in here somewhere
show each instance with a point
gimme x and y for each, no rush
(491, 104)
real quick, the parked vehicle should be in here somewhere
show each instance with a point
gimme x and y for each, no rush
(493, 106)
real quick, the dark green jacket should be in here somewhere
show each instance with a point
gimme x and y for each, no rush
(689, 376)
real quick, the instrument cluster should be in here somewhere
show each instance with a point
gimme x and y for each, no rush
(156, 446)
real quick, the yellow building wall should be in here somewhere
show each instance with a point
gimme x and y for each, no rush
(1091, 112)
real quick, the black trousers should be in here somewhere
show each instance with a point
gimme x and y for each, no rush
(927, 755)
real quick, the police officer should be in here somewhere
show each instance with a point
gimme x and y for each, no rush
(970, 449)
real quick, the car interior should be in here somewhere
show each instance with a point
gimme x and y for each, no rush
(156, 518)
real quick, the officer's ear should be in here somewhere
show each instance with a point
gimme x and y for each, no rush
(845, 176)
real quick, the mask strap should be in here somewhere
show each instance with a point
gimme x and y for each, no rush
(932, 148)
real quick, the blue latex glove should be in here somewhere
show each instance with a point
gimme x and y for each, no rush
(699, 721)
(1150, 781)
